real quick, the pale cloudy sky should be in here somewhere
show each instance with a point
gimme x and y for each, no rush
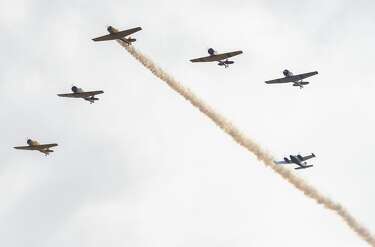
(141, 167)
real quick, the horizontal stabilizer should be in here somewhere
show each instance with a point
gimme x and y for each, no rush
(303, 167)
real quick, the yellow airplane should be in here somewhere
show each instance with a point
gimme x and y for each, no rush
(114, 34)
(215, 57)
(79, 93)
(34, 145)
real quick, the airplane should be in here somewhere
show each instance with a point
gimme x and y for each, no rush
(114, 34)
(221, 58)
(296, 79)
(79, 93)
(34, 145)
(298, 160)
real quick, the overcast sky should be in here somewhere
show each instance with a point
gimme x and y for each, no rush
(142, 167)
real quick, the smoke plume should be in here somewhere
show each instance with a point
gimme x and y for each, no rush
(251, 146)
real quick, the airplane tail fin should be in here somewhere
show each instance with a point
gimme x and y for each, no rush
(129, 40)
(303, 167)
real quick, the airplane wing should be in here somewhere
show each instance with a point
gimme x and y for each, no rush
(25, 148)
(308, 157)
(37, 147)
(292, 78)
(44, 146)
(216, 57)
(81, 95)
(118, 35)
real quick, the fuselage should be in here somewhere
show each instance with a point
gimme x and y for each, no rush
(296, 83)
(224, 63)
(77, 90)
(129, 40)
(295, 159)
(33, 143)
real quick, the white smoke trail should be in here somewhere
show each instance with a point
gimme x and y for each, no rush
(251, 146)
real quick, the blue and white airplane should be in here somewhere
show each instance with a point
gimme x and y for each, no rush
(298, 160)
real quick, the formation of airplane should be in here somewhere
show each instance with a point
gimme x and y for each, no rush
(298, 160)
(79, 93)
(214, 57)
(222, 59)
(35, 146)
(297, 80)
(121, 35)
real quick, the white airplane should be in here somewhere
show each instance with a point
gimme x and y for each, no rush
(79, 93)
(298, 160)
(114, 34)
(34, 145)
(214, 57)
(297, 80)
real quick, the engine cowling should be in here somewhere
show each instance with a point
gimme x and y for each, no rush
(29, 142)
(110, 29)
(211, 51)
(286, 72)
(77, 89)
(286, 159)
